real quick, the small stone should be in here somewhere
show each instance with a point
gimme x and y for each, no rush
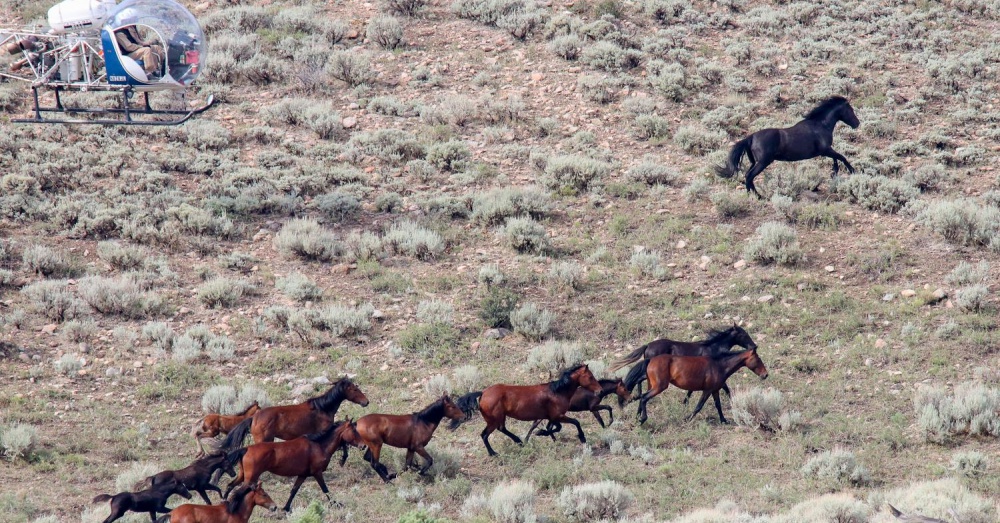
(321, 380)
(939, 294)
(868, 362)
(740, 264)
(49, 328)
(111, 372)
(908, 293)
(537, 77)
(880, 343)
(183, 310)
(681, 244)
(81, 372)
(340, 268)
(888, 297)
(352, 34)
(829, 268)
(137, 364)
(496, 334)
(377, 314)
(84, 347)
(350, 122)
(767, 298)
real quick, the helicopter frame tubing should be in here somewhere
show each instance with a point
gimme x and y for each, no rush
(126, 110)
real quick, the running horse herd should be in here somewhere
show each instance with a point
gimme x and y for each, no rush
(310, 435)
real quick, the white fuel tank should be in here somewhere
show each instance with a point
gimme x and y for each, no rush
(78, 16)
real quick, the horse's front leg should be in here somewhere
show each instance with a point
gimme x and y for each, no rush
(204, 495)
(532, 429)
(718, 407)
(830, 153)
(409, 460)
(428, 460)
(596, 411)
(579, 429)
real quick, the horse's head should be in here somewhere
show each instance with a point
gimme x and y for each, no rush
(584, 378)
(754, 363)
(262, 499)
(739, 336)
(180, 489)
(353, 394)
(254, 407)
(451, 411)
(622, 392)
(846, 115)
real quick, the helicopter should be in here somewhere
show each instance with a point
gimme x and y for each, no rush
(138, 46)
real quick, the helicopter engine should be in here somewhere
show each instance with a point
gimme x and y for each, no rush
(71, 16)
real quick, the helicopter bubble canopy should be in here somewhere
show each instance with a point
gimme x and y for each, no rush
(171, 45)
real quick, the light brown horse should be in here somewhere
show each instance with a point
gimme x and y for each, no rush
(301, 458)
(288, 422)
(214, 424)
(236, 510)
(546, 401)
(405, 431)
(705, 373)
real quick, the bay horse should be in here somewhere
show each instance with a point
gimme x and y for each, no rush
(705, 373)
(301, 458)
(196, 477)
(237, 510)
(406, 431)
(151, 500)
(811, 137)
(214, 424)
(716, 342)
(545, 401)
(584, 400)
(288, 422)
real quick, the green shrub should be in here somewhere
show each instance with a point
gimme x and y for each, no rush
(648, 263)
(18, 441)
(306, 239)
(555, 356)
(351, 67)
(495, 207)
(651, 127)
(567, 274)
(76, 331)
(532, 321)
(299, 287)
(343, 320)
(48, 262)
(573, 172)
(122, 257)
(491, 275)
(966, 273)
(837, 466)
(600, 89)
(877, 193)
(697, 141)
(602, 501)
(221, 292)
(314, 512)
(730, 205)
(386, 31)
(435, 312)
(509, 502)
(774, 242)
(419, 515)
(609, 56)
(972, 409)
(963, 221)
(496, 305)
(764, 409)
(525, 235)
(68, 364)
(697, 190)
(405, 7)
(430, 340)
(338, 205)
(54, 300)
(970, 464)
(408, 238)
(567, 46)
(448, 156)
(466, 378)
(122, 296)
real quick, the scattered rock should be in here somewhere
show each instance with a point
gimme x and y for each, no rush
(112, 372)
(302, 389)
(681, 244)
(829, 268)
(377, 314)
(888, 297)
(137, 364)
(350, 122)
(740, 264)
(908, 293)
(938, 295)
(767, 298)
(321, 380)
(880, 343)
(49, 328)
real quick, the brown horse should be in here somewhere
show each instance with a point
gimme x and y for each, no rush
(705, 373)
(717, 342)
(586, 401)
(236, 510)
(288, 422)
(546, 401)
(301, 458)
(214, 424)
(405, 431)
(152, 500)
(196, 477)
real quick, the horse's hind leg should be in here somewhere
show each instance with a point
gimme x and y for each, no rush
(718, 406)
(756, 169)
(532, 429)
(701, 403)
(596, 411)
(725, 388)
(511, 435)
(687, 397)
(204, 495)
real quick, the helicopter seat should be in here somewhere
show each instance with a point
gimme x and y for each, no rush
(134, 68)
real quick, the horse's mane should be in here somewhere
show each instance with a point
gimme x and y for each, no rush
(564, 380)
(729, 354)
(825, 107)
(432, 412)
(322, 436)
(714, 336)
(250, 406)
(234, 504)
(331, 397)
(608, 382)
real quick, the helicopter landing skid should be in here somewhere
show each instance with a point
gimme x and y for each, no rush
(125, 111)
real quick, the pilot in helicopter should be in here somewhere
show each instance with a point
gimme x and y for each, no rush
(134, 46)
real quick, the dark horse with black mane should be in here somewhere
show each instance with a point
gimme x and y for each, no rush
(288, 422)
(152, 500)
(811, 137)
(545, 401)
(717, 342)
(198, 476)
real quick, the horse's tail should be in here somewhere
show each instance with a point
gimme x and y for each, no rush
(234, 457)
(894, 510)
(142, 484)
(102, 498)
(236, 437)
(469, 404)
(631, 358)
(636, 374)
(732, 165)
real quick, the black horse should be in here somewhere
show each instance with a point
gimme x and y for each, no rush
(151, 500)
(198, 476)
(717, 342)
(807, 139)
